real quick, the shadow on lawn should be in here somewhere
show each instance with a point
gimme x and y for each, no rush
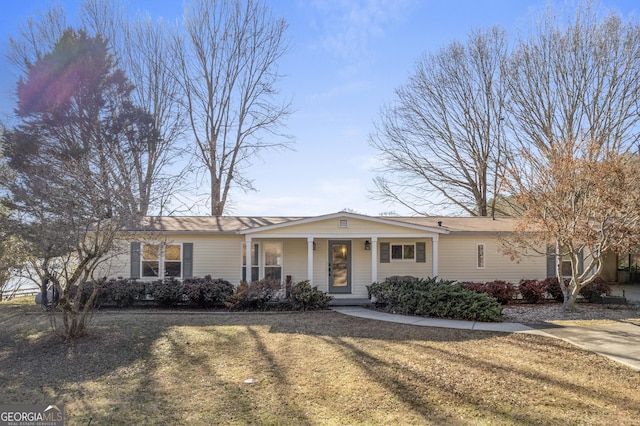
(146, 368)
(37, 367)
(118, 355)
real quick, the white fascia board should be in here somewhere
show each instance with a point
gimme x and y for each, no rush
(347, 236)
(347, 215)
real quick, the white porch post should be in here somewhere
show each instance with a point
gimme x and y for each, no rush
(434, 256)
(248, 249)
(374, 259)
(310, 260)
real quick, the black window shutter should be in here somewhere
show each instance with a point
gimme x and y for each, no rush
(421, 252)
(187, 260)
(385, 252)
(135, 260)
(581, 262)
(551, 261)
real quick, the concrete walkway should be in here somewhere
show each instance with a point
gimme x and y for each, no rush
(618, 340)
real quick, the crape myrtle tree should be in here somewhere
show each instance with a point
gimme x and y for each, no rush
(574, 107)
(228, 55)
(443, 137)
(67, 193)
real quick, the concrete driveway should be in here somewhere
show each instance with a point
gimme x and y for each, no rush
(618, 340)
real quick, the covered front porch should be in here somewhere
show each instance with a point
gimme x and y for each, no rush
(343, 253)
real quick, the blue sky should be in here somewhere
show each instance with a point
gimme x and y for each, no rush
(346, 59)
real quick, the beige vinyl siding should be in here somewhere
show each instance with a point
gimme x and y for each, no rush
(360, 269)
(294, 258)
(118, 264)
(406, 267)
(219, 256)
(458, 261)
(320, 265)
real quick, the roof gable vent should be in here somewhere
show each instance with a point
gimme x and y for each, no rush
(343, 223)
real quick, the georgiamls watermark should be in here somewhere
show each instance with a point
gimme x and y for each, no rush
(31, 415)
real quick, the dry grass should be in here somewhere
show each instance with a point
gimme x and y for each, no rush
(311, 368)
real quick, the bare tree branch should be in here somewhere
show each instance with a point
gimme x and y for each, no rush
(444, 136)
(228, 72)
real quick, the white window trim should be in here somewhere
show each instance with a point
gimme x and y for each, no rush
(262, 259)
(243, 259)
(161, 260)
(403, 260)
(484, 256)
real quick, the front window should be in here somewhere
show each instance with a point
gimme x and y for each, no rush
(172, 261)
(161, 260)
(150, 260)
(273, 261)
(480, 260)
(403, 252)
(255, 262)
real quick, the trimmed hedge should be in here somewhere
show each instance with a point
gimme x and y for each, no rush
(440, 299)
(307, 298)
(121, 292)
(208, 292)
(253, 296)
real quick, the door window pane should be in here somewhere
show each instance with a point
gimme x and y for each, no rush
(339, 265)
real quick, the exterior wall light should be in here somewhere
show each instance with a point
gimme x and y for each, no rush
(367, 245)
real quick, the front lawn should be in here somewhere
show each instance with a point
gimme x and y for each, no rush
(158, 367)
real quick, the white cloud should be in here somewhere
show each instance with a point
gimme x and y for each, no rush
(350, 27)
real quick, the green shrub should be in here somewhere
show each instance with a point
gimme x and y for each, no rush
(593, 291)
(533, 291)
(207, 292)
(168, 292)
(120, 292)
(502, 291)
(307, 298)
(254, 296)
(440, 299)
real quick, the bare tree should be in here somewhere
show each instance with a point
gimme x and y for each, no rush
(143, 49)
(228, 71)
(444, 136)
(36, 38)
(574, 107)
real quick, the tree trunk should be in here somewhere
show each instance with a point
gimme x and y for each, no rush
(570, 296)
(217, 206)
